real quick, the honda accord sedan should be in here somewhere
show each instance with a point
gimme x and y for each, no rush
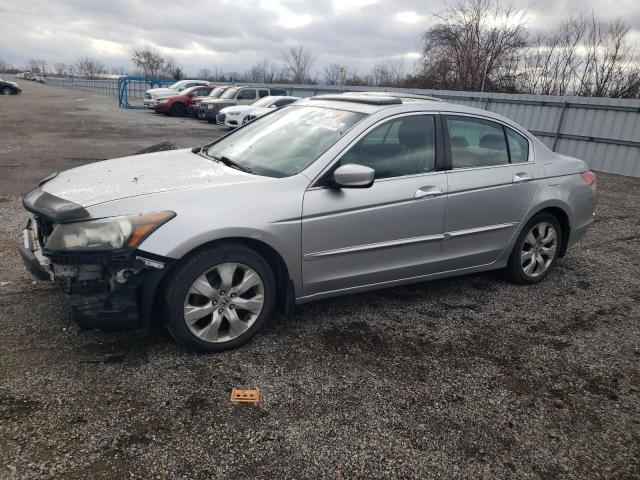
(329, 196)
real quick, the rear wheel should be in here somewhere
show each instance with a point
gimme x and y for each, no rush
(178, 109)
(220, 298)
(536, 250)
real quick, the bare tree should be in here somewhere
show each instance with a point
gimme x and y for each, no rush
(335, 74)
(474, 45)
(584, 56)
(89, 67)
(38, 66)
(299, 62)
(152, 63)
(4, 66)
(60, 69)
(388, 74)
(264, 72)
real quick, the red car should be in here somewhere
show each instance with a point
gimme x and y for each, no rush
(178, 105)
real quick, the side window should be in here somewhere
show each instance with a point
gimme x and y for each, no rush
(246, 94)
(278, 92)
(518, 146)
(404, 146)
(263, 93)
(476, 142)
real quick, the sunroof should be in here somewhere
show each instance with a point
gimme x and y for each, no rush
(372, 100)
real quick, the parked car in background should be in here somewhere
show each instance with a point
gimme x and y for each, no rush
(39, 79)
(333, 195)
(152, 94)
(179, 105)
(20, 75)
(198, 112)
(9, 88)
(235, 96)
(240, 114)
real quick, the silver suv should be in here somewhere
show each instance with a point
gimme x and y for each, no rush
(328, 196)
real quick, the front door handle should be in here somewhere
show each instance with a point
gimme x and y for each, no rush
(428, 191)
(522, 177)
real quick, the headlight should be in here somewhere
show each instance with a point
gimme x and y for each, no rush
(210, 106)
(113, 233)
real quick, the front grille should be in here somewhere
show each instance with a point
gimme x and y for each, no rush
(233, 122)
(221, 117)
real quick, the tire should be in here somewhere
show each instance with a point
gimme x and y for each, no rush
(213, 326)
(535, 252)
(6, 91)
(178, 110)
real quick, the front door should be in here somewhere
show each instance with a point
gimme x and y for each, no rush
(491, 187)
(354, 237)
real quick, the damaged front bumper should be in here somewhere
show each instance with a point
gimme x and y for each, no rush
(108, 291)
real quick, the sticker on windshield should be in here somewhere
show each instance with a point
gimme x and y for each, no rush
(332, 124)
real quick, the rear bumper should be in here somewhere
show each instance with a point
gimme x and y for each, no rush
(578, 232)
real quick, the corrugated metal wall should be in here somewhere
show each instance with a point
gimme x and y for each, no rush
(605, 132)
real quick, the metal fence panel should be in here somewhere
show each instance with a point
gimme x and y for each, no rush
(604, 132)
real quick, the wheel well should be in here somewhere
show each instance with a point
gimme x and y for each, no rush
(270, 254)
(563, 219)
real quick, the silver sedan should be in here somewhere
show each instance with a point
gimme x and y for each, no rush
(333, 195)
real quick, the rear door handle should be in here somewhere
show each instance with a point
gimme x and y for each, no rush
(522, 177)
(428, 191)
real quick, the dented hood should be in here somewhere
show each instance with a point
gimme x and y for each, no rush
(141, 175)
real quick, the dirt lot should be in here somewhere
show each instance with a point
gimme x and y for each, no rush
(470, 377)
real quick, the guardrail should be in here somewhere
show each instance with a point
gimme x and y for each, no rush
(605, 132)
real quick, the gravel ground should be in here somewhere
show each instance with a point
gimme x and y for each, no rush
(470, 377)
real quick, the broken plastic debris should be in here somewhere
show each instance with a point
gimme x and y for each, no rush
(245, 396)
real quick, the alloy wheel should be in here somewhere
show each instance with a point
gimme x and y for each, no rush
(539, 249)
(224, 302)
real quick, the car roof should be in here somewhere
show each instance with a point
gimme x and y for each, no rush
(369, 104)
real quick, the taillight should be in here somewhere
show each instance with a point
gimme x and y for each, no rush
(589, 178)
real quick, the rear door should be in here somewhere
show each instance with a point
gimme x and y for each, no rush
(392, 230)
(491, 183)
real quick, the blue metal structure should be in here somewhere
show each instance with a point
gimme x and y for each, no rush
(123, 88)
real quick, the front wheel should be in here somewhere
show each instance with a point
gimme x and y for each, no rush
(536, 250)
(6, 91)
(178, 110)
(219, 298)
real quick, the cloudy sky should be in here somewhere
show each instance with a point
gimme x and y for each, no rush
(235, 34)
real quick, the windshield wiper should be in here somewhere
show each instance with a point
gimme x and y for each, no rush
(231, 163)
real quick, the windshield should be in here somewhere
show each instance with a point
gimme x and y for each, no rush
(230, 93)
(287, 141)
(216, 92)
(176, 85)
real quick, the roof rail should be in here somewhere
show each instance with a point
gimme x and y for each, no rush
(413, 96)
(369, 100)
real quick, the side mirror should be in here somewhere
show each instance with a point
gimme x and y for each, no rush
(353, 176)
